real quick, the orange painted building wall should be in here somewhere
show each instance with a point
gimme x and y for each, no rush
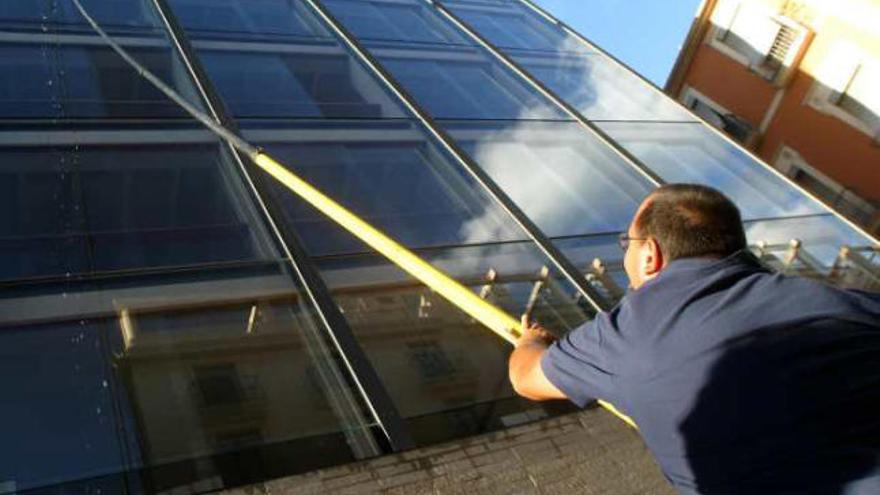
(729, 83)
(841, 151)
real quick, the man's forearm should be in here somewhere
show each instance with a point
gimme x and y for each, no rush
(524, 361)
(524, 367)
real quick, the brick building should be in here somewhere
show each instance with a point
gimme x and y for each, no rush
(796, 82)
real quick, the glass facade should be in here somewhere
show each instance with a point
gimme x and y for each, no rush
(172, 321)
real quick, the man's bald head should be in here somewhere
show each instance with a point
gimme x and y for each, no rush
(690, 220)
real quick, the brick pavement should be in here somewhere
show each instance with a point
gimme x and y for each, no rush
(589, 452)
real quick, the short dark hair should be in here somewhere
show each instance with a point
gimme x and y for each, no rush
(690, 220)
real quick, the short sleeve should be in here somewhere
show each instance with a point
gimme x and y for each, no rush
(580, 364)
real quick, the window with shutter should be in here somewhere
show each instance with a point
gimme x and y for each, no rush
(766, 42)
(719, 117)
(752, 33)
(782, 45)
(860, 98)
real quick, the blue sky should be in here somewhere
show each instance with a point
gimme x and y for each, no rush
(644, 34)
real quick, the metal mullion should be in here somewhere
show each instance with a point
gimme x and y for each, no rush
(360, 371)
(630, 159)
(565, 266)
(601, 52)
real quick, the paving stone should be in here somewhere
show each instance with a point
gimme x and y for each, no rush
(404, 478)
(452, 467)
(351, 479)
(395, 469)
(425, 487)
(455, 455)
(536, 451)
(306, 485)
(492, 458)
(384, 461)
(510, 465)
(365, 487)
(428, 452)
(476, 449)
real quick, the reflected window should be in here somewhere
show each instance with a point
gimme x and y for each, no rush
(249, 19)
(393, 178)
(61, 418)
(564, 179)
(95, 209)
(86, 82)
(515, 31)
(219, 384)
(430, 359)
(438, 365)
(113, 15)
(330, 85)
(208, 406)
(693, 153)
(599, 89)
(465, 84)
(382, 20)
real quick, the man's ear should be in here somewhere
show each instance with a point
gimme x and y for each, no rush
(652, 257)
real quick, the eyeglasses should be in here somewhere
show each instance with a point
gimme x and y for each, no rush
(623, 239)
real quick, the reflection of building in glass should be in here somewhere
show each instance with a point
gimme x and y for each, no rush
(173, 321)
(796, 82)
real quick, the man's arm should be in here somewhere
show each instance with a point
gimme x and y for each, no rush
(525, 371)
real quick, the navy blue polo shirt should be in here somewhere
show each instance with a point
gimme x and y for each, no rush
(741, 381)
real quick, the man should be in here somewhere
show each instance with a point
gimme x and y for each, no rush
(740, 380)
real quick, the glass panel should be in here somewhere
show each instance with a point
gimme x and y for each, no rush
(511, 25)
(75, 82)
(821, 237)
(447, 374)
(46, 75)
(392, 176)
(461, 83)
(693, 153)
(173, 383)
(75, 209)
(265, 75)
(252, 19)
(563, 178)
(115, 16)
(411, 21)
(598, 88)
(298, 82)
(600, 258)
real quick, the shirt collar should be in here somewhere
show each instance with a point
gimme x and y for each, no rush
(740, 257)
